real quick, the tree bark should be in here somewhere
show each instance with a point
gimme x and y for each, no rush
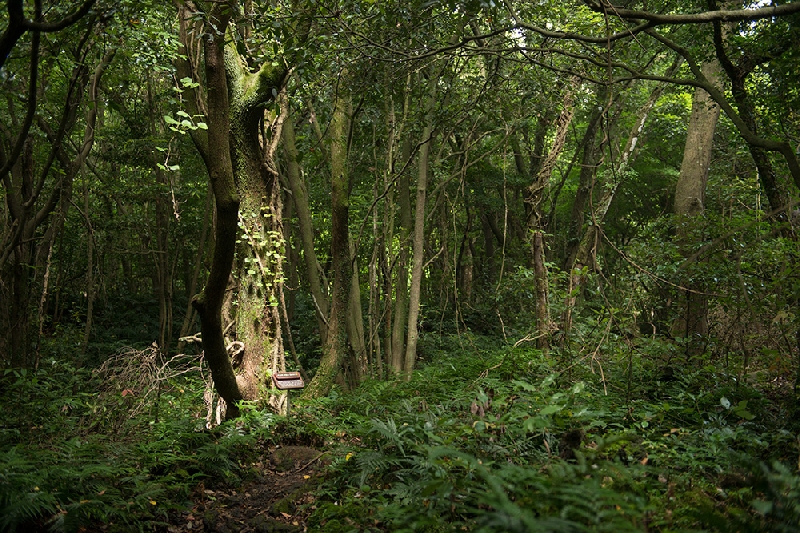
(585, 254)
(739, 74)
(259, 271)
(238, 148)
(28, 207)
(591, 152)
(335, 348)
(400, 317)
(536, 193)
(188, 320)
(220, 171)
(300, 199)
(355, 323)
(692, 323)
(418, 258)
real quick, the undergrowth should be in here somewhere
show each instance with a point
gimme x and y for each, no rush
(489, 439)
(481, 438)
(71, 456)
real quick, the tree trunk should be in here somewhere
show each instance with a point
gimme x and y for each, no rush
(585, 254)
(188, 320)
(355, 324)
(401, 279)
(776, 195)
(536, 229)
(300, 199)
(259, 268)
(215, 149)
(238, 148)
(89, 268)
(335, 348)
(163, 277)
(28, 208)
(418, 258)
(591, 152)
(689, 206)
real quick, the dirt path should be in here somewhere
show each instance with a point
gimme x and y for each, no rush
(269, 503)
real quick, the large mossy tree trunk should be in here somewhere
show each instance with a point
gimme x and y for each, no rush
(237, 148)
(259, 268)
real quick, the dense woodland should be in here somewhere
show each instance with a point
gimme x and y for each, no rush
(536, 262)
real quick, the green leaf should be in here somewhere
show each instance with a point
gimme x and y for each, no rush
(169, 120)
(525, 385)
(742, 412)
(550, 409)
(762, 506)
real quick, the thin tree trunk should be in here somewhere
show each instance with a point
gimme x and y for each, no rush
(217, 156)
(355, 324)
(89, 268)
(162, 278)
(415, 292)
(373, 311)
(401, 299)
(29, 208)
(335, 348)
(585, 254)
(300, 199)
(188, 320)
(591, 152)
(536, 194)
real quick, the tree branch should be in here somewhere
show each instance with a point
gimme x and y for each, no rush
(723, 15)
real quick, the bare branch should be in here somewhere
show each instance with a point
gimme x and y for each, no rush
(724, 15)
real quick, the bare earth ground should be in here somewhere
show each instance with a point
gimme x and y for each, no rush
(269, 503)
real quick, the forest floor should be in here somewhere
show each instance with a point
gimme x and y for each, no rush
(273, 501)
(493, 439)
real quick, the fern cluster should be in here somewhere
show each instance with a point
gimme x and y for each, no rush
(519, 448)
(61, 469)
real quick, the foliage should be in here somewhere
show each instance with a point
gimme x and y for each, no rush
(620, 426)
(72, 457)
(485, 443)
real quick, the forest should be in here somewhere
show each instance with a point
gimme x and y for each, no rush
(383, 265)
